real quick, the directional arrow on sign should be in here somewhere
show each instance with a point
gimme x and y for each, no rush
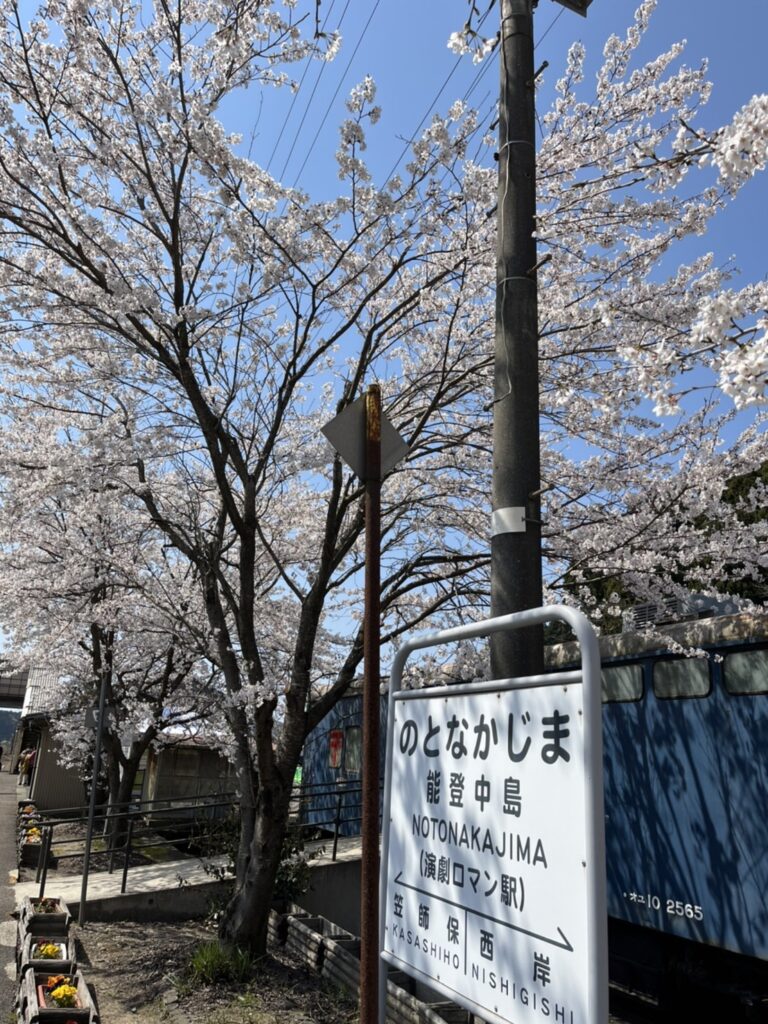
(562, 943)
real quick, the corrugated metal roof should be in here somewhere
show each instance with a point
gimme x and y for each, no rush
(12, 689)
(42, 693)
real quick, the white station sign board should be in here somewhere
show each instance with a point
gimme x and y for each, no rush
(490, 863)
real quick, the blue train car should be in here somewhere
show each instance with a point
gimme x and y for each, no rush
(332, 760)
(686, 781)
(686, 804)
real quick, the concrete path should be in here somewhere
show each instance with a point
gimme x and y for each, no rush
(101, 885)
(169, 875)
(10, 794)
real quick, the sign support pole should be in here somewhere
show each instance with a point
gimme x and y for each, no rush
(370, 445)
(369, 880)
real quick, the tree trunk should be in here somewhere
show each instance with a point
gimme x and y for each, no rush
(119, 823)
(121, 787)
(246, 916)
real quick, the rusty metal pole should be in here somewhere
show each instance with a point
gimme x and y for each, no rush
(369, 878)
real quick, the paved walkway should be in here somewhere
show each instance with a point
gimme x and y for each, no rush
(154, 877)
(102, 885)
(10, 793)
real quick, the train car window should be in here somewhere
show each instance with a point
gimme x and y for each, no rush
(681, 677)
(353, 750)
(746, 672)
(621, 683)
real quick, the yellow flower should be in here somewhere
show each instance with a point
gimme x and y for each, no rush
(64, 995)
(48, 950)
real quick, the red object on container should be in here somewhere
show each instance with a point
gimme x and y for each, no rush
(335, 747)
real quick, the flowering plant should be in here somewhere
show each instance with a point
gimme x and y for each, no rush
(61, 991)
(47, 905)
(46, 949)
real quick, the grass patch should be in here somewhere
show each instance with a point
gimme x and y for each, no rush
(212, 963)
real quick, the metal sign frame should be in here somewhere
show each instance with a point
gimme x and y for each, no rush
(589, 677)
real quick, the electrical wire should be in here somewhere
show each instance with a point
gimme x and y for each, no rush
(552, 24)
(437, 96)
(336, 93)
(538, 43)
(298, 90)
(483, 70)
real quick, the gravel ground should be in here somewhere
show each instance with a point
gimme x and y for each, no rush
(140, 974)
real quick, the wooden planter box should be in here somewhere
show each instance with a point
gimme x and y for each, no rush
(38, 922)
(341, 964)
(64, 964)
(29, 854)
(31, 1002)
(335, 954)
(277, 928)
(306, 938)
(341, 967)
(303, 941)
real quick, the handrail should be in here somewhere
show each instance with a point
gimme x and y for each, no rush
(135, 806)
(310, 798)
(184, 829)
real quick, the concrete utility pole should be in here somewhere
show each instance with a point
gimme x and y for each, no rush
(516, 582)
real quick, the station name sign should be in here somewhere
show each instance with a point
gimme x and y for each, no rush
(486, 877)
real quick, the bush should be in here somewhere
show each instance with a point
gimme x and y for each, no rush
(292, 879)
(212, 963)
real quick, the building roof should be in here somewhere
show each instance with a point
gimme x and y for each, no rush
(42, 692)
(12, 689)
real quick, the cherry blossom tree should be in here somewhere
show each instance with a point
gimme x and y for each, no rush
(645, 370)
(649, 354)
(217, 319)
(91, 591)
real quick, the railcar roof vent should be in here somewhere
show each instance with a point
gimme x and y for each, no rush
(656, 613)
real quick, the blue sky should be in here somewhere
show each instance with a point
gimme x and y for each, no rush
(402, 44)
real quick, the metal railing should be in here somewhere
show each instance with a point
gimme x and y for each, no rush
(132, 828)
(327, 806)
(322, 810)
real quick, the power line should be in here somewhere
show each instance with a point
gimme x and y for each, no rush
(477, 79)
(551, 26)
(538, 43)
(482, 71)
(298, 89)
(336, 93)
(433, 103)
(297, 136)
(419, 126)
